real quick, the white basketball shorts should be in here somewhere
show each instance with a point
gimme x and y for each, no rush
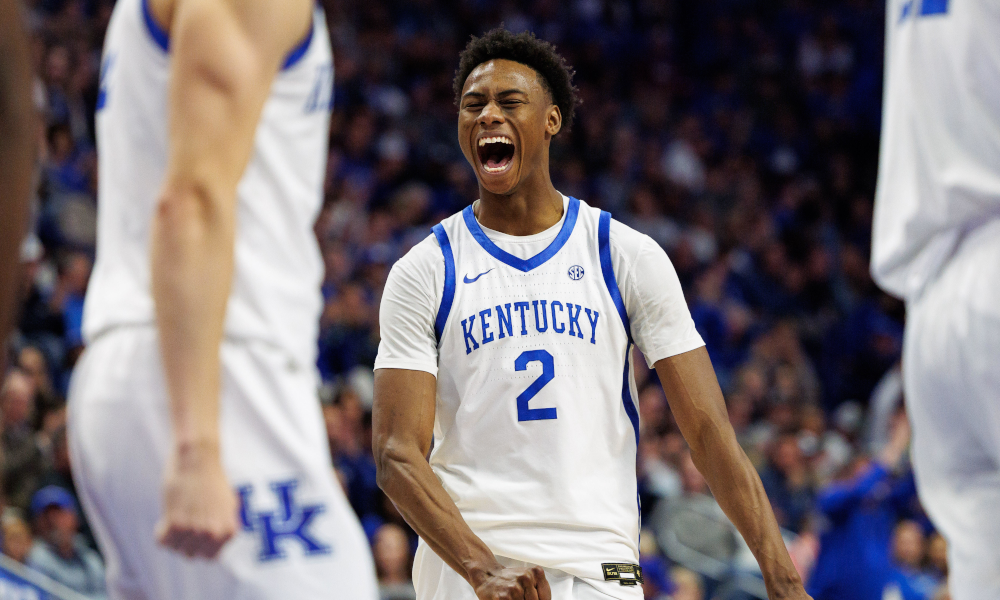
(951, 370)
(435, 580)
(299, 537)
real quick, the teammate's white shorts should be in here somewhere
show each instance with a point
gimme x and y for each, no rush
(435, 580)
(951, 370)
(299, 537)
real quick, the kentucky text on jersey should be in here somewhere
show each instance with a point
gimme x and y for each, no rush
(497, 322)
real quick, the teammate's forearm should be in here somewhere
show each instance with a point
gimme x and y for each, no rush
(410, 483)
(738, 490)
(17, 152)
(192, 267)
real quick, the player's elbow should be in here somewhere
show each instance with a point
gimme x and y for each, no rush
(713, 438)
(193, 201)
(391, 459)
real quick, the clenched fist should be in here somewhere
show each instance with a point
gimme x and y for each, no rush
(199, 506)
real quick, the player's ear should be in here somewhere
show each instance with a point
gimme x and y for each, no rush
(553, 120)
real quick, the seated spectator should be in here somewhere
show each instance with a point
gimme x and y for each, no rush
(391, 551)
(17, 539)
(31, 360)
(67, 297)
(23, 460)
(937, 556)
(60, 552)
(656, 583)
(860, 512)
(909, 581)
(688, 585)
(787, 482)
(692, 527)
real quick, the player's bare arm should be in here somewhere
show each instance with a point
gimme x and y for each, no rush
(17, 147)
(402, 430)
(224, 56)
(697, 403)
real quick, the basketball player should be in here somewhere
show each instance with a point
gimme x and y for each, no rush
(17, 155)
(195, 427)
(936, 244)
(506, 338)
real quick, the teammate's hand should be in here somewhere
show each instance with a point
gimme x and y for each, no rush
(199, 505)
(515, 584)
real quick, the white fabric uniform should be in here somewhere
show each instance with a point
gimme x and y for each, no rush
(299, 536)
(937, 245)
(536, 425)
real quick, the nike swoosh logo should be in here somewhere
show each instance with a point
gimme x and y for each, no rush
(473, 280)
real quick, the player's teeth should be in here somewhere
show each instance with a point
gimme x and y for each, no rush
(495, 140)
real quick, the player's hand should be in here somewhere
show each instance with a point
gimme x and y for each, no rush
(800, 595)
(515, 584)
(199, 505)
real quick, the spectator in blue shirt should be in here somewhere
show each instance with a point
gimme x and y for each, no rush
(908, 579)
(860, 515)
(59, 551)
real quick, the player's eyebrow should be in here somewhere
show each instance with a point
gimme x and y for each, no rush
(473, 94)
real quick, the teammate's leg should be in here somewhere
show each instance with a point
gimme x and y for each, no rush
(299, 537)
(119, 437)
(951, 366)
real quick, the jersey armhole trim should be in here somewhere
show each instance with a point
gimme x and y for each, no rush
(158, 33)
(162, 38)
(300, 49)
(448, 296)
(607, 270)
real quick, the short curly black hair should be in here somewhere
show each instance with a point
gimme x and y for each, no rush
(525, 48)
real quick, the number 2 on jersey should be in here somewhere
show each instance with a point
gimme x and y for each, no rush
(548, 373)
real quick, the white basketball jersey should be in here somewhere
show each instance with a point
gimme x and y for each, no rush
(939, 165)
(278, 268)
(536, 426)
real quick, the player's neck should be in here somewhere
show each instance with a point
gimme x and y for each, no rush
(532, 208)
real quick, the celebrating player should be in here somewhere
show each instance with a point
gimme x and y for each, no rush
(936, 244)
(194, 420)
(506, 339)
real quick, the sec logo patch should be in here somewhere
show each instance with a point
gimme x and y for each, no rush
(575, 272)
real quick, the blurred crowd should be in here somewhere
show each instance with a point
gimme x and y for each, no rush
(741, 135)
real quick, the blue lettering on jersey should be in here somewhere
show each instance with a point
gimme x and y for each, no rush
(521, 307)
(321, 97)
(565, 320)
(927, 8)
(487, 337)
(545, 317)
(290, 522)
(556, 327)
(467, 332)
(574, 319)
(593, 323)
(102, 86)
(504, 321)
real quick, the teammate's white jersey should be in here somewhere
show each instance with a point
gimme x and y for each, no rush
(536, 426)
(278, 268)
(939, 164)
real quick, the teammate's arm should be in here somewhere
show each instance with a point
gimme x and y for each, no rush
(696, 401)
(17, 152)
(224, 55)
(402, 430)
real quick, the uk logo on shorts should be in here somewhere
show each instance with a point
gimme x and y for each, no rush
(575, 272)
(290, 522)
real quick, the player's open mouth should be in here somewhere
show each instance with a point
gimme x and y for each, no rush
(496, 153)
